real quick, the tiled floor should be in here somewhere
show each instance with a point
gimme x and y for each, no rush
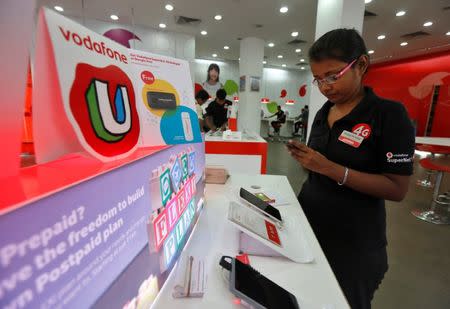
(419, 252)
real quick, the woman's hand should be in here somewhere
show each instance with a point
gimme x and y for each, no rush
(308, 157)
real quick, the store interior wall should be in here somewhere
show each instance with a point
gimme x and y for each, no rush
(413, 81)
(274, 80)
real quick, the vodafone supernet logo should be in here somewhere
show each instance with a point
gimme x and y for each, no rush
(102, 102)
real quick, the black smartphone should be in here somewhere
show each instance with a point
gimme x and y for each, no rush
(257, 290)
(261, 205)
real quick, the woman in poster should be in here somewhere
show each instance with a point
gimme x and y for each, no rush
(212, 84)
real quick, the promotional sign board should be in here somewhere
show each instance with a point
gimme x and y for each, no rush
(70, 249)
(92, 94)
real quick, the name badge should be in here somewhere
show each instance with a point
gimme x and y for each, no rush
(351, 138)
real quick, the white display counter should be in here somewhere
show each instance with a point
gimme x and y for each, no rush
(248, 155)
(439, 141)
(314, 284)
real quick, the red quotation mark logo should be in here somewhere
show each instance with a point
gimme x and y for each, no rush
(363, 130)
(103, 104)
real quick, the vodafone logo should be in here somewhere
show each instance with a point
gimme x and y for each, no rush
(147, 77)
(389, 155)
(363, 130)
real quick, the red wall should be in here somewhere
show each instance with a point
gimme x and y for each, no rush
(411, 82)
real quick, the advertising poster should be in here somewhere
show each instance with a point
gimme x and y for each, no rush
(92, 94)
(75, 248)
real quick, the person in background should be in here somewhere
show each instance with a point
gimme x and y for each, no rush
(200, 98)
(281, 118)
(298, 122)
(305, 116)
(359, 154)
(217, 111)
(212, 83)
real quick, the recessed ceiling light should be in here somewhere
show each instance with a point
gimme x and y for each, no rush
(381, 37)
(271, 45)
(403, 43)
(203, 32)
(371, 52)
(226, 47)
(169, 7)
(114, 17)
(427, 24)
(294, 34)
(283, 65)
(298, 50)
(302, 60)
(162, 26)
(214, 55)
(284, 9)
(218, 17)
(367, 1)
(264, 62)
(400, 13)
(280, 56)
(302, 68)
(58, 8)
(448, 33)
(239, 58)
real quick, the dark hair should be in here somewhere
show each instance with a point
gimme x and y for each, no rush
(213, 66)
(202, 95)
(306, 106)
(344, 45)
(221, 94)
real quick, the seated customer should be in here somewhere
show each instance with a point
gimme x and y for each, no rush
(200, 98)
(217, 111)
(281, 118)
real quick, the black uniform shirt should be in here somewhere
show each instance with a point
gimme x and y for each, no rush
(341, 217)
(218, 112)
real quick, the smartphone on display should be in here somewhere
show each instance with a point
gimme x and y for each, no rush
(260, 205)
(257, 290)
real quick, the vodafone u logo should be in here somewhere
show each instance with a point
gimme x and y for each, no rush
(102, 101)
(363, 130)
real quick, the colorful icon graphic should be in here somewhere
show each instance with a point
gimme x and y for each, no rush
(184, 164)
(191, 163)
(176, 174)
(102, 103)
(165, 187)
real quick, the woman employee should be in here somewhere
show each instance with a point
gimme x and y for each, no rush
(360, 153)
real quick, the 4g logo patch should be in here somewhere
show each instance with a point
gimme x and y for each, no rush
(102, 102)
(363, 130)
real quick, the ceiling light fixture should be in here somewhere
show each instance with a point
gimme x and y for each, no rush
(214, 55)
(283, 65)
(218, 17)
(226, 47)
(114, 17)
(264, 62)
(448, 33)
(403, 43)
(302, 60)
(303, 68)
(162, 26)
(294, 34)
(203, 32)
(367, 1)
(400, 13)
(298, 50)
(280, 56)
(381, 37)
(427, 24)
(284, 9)
(271, 45)
(169, 7)
(371, 52)
(58, 8)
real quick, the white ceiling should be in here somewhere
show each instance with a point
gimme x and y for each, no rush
(241, 16)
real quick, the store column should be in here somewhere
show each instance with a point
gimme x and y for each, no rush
(250, 68)
(333, 14)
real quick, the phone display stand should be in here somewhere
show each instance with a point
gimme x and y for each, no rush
(291, 240)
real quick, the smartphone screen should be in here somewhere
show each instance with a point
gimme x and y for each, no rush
(264, 206)
(262, 290)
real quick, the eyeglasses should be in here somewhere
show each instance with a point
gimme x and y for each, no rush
(331, 79)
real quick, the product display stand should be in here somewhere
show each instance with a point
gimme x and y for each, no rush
(264, 237)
